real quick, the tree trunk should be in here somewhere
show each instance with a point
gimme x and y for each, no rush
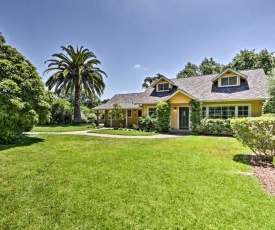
(77, 112)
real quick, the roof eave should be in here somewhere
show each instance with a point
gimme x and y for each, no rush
(237, 99)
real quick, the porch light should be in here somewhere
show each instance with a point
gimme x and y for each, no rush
(175, 109)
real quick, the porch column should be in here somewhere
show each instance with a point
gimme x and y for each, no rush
(126, 115)
(97, 118)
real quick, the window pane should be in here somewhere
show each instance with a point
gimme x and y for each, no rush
(203, 112)
(160, 87)
(224, 81)
(163, 86)
(129, 113)
(233, 80)
(242, 111)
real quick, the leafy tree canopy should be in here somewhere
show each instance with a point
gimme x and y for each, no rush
(190, 70)
(271, 82)
(246, 59)
(209, 66)
(23, 100)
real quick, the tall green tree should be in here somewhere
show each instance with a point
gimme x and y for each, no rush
(189, 70)
(75, 72)
(246, 59)
(209, 66)
(271, 82)
(24, 102)
(149, 80)
(249, 59)
(265, 60)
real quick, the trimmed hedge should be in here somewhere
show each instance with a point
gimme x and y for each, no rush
(257, 133)
(214, 127)
(147, 124)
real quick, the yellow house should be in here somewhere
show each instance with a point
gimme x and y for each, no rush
(229, 94)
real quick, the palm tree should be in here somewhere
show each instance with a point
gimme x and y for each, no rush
(75, 73)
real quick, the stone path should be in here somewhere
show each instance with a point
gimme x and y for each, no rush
(85, 133)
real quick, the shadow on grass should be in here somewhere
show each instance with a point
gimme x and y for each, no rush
(25, 141)
(241, 158)
(62, 125)
(254, 160)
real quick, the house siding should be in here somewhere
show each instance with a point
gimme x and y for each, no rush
(179, 98)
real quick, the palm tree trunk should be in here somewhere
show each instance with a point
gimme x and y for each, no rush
(77, 113)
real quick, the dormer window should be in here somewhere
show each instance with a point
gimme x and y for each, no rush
(229, 81)
(163, 87)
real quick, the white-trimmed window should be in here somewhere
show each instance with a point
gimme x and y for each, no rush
(243, 111)
(225, 111)
(129, 113)
(152, 112)
(229, 81)
(163, 87)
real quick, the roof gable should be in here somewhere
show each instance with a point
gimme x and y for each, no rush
(162, 79)
(180, 91)
(227, 71)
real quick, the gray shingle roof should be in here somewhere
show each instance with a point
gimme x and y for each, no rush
(201, 88)
(126, 101)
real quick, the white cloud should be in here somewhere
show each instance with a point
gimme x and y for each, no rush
(137, 66)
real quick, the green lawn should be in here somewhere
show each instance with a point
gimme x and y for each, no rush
(60, 128)
(82, 182)
(122, 132)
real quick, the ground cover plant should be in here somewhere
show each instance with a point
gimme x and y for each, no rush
(82, 182)
(61, 128)
(124, 132)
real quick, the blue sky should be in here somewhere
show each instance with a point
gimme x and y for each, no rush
(138, 38)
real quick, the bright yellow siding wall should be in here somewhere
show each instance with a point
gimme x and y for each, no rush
(256, 106)
(180, 98)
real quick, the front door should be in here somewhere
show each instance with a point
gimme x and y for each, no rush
(183, 118)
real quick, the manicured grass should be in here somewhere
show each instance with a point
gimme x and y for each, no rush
(82, 182)
(122, 132)
(60, 128)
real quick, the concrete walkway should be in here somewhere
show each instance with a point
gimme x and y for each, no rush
(85, 133)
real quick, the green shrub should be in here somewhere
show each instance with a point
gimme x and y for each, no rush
(92, 126)
(269, 106)
(195, 116)
(268, 115)
(134, 126)
(214, 126)
(147, 124)
(163, 116)
(257, 133)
